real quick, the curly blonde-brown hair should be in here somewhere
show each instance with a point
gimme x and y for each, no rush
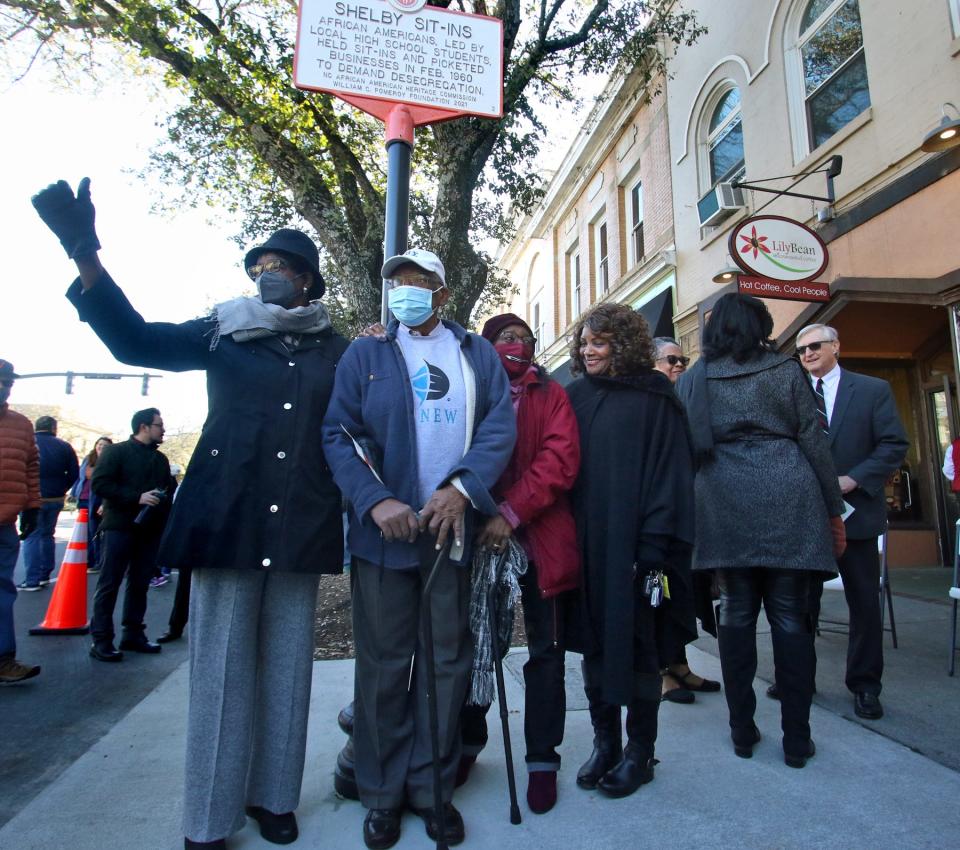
(630, 341)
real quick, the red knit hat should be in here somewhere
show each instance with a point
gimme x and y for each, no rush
(493, 326)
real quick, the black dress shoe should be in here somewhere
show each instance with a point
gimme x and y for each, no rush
(867, 706)
(744, 742)
(140, 645)
(381, 828)
(277, 829)
(219, 844)
(169, 636)
(105, 652)
(452, 823)
(794, 760)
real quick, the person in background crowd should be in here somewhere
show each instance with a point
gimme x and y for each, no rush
(755, 431)
(868, 443)
(19, 494)
(257, 517)
(58, 471)
(532, 496)
(131, 478)
(633, 504)
(432, 405)
(84, 496)
(680, 683)
(161, 573)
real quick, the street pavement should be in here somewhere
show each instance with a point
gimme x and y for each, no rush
(114, 780)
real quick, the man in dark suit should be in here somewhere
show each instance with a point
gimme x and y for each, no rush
(868, 443)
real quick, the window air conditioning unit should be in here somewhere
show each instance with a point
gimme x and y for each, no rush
(719, 203)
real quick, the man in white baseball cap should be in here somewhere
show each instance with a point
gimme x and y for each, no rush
(434, 403)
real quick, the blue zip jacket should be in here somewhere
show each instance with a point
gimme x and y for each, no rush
(58, 465)
(373, 400)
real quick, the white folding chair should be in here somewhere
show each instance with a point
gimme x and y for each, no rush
(886, 596)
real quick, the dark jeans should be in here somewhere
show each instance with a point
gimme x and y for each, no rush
(181, 602)
(39, 547)
(93, 539)
(543, 675)
(860, 570)
(129, 553)
(785, 596)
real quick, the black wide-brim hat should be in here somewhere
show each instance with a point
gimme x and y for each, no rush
(298, 244)
(6, 371)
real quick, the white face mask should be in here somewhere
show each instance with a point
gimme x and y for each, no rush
(412, 305)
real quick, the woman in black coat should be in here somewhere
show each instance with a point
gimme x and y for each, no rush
(768, 509)
(633, 504)
(257, 517)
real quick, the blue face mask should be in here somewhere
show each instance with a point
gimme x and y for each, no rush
(412, 305)
(276, 288)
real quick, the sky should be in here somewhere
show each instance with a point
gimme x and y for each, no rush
(171, 267)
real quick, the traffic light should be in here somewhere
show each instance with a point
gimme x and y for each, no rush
(69, 383)
(146, 384)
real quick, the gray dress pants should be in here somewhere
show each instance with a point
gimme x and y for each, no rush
(391, 734)
(251, 663)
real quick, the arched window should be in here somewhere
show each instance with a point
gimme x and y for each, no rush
(724, 138)
(835, 89)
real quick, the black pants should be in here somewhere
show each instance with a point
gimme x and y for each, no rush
(860, 571)
(181, 602)
(785, 596)
(130, 553)
(545, 699)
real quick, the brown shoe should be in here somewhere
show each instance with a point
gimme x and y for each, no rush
(12, 671)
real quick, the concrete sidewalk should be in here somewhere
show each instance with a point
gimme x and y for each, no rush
(861, 790)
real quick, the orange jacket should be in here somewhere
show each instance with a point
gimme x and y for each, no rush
(19, 466)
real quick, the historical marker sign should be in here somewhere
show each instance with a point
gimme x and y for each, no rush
(764, 287)
(779, 248)
(392, 51)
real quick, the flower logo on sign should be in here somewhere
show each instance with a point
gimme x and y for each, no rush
(754, 243)
(408, 5)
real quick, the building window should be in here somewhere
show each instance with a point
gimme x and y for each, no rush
(725, 139)
(603, 264)
(636, 223)
(537, 328)
(834, 67)
(573, 276)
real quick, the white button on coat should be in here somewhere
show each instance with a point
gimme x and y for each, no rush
(214, 452)
(274, 509)
(265, 562)
(287, 405)
(281, 455)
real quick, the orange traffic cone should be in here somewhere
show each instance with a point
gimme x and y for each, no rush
(67, 612)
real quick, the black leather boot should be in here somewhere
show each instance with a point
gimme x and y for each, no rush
(636, 766)
(738, 660)
(607, 737)
(794, 658)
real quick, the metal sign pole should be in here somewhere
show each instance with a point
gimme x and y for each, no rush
(399, 137)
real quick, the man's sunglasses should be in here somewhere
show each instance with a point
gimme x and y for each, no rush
(674, 359)
(813, 346)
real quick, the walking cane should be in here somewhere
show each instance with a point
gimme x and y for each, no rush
(502, 699)
(427, 626)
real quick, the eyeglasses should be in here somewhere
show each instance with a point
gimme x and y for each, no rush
(674, 359)
(510, 336)
(421, 280)
(156, 424)
(813, 346)
(273, 266)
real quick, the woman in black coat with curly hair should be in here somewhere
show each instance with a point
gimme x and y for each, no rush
(633, 504)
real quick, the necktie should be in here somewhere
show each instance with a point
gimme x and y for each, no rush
(821, 407)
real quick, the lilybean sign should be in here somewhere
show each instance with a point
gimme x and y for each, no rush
(778, 248)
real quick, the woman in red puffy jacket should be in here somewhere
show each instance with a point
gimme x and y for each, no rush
(534, 507)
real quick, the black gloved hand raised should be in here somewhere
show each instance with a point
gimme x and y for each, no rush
(29, 520)
(70, 218)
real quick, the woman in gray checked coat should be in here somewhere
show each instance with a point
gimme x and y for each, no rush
(768, 509)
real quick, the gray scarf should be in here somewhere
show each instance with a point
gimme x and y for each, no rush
(249, 318)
